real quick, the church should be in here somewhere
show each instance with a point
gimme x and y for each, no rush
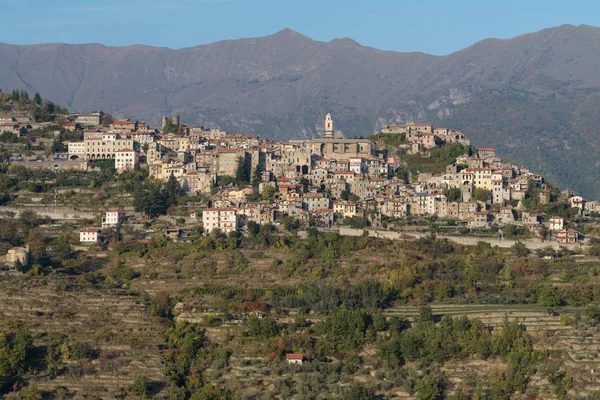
(339, 148)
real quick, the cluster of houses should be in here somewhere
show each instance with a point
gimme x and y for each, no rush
(321, 181)
(14, 259)
(17, 126)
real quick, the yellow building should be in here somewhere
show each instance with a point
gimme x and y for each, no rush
(482, 178)
(346, 209)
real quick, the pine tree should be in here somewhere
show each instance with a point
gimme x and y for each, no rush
(172, 189)
(241, 174)
(257, 176)
(37, 99)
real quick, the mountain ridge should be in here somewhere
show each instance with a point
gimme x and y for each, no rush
(534, 97)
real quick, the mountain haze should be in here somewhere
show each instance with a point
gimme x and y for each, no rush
(535, 97)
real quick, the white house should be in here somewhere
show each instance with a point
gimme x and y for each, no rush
(556, 223)
(294, 358)
(89, 235)
(126, 159)
(112, 218)
(225, 219)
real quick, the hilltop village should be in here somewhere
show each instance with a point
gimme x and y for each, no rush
(321, 182)
(188, 262)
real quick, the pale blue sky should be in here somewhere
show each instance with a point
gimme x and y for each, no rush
(431, 26)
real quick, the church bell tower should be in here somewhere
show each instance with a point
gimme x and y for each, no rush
(328, 132)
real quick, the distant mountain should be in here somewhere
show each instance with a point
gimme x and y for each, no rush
(536, 97)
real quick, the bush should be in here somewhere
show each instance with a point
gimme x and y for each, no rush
(566, 320)
(140, 386)
(81, 351)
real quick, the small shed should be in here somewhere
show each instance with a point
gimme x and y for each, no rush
(294, 358)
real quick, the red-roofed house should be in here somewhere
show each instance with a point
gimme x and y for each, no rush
(567, 236)
(294, 358)
(323, 216)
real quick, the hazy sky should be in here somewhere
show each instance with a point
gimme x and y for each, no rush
(431, 26)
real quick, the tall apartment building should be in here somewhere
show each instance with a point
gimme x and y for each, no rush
(224, 219)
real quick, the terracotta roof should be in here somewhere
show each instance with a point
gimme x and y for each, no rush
(294, 356)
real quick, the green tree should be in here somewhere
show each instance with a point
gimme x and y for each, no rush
(345, 330)
(241, 172)
(50, 107)
(359, 392)
(15, 351)
(483, 195)
(150, 199)
(379, 321)
(401, 174)
(211, 392)
(290, 223)
(268, 327)
(224, 180)
(253, 228)
(520, 249)
(57, 146)
(37, 99)
(430, 387)
(31, 392)
(141, 386)
(425, 314)
(160, 305)
(453, 194)
(172, 190)
(61, 249)
(548, 296)
(269, 193)
(253, 325)
(257, 176)
(185, 344)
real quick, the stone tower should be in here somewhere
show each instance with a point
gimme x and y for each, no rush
(163, 122)
(175, 120)
(466, 191)
(328, 132)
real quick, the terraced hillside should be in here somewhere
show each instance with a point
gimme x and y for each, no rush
(215, 316)
(113, 322)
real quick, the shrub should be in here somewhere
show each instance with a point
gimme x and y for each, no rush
(566, 320)
(140, 386)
